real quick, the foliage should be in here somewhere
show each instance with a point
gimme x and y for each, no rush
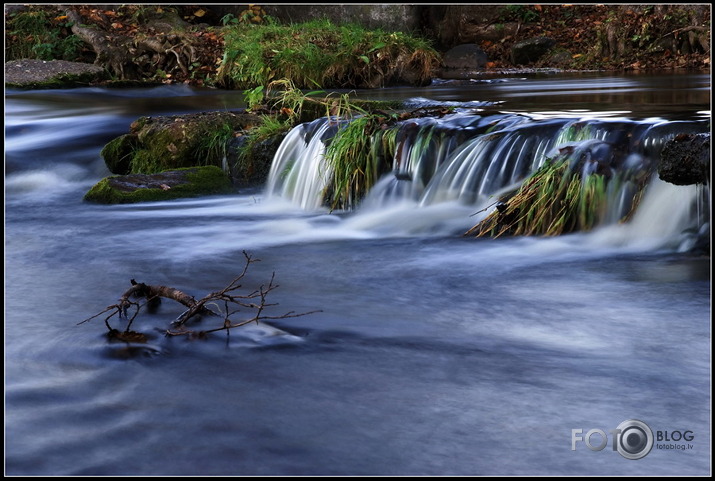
(212, 148)
(320, 53)
(36, 33)
(553, 201)
(254, 14)
(523, 13)
(254, 97)
(358, 155)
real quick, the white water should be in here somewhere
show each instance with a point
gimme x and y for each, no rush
(441, 187)
(432, 354)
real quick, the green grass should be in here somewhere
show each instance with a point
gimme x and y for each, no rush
(358, 154)
(553, 201)
(36, 33)
(319, 53)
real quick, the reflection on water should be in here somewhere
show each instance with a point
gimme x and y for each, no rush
(432, 354)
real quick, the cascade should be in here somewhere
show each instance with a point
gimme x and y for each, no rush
(471, 158)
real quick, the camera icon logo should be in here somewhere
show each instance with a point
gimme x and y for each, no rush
(634, 439)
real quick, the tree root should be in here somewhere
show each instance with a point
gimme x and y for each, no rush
(148, 55)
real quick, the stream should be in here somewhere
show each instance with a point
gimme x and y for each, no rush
(430, 354)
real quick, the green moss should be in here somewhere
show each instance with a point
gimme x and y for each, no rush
(147, 162)
(189, 182)
(118, 154)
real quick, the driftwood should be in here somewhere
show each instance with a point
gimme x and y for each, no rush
(228, 297)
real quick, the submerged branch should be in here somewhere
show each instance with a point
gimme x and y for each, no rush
(255, 301)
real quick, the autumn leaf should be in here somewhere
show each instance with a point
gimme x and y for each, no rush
(200, 13)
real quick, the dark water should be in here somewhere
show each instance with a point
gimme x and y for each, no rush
(432, 353)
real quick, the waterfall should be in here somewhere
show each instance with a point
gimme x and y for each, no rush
(299, 171)
(470, 158)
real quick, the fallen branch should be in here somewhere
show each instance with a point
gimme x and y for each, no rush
(232, 301)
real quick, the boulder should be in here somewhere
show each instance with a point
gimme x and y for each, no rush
(465, 57)
(171, 184)
(156, 144)
(388, 17)
(30, 73)
(452, 25)
(685, 160)
(531, 50)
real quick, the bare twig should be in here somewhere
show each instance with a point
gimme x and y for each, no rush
(232, 302)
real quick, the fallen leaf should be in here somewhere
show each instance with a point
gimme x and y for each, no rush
(200, 13)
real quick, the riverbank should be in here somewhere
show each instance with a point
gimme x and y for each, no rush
(186, 44)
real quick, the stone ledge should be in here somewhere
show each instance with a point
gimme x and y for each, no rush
(30, 73)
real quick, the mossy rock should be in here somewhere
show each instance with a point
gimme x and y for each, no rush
(118, 154)
(167, 185)
(156, 144)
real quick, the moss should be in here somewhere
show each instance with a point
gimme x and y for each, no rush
(118, 154)
(179, 141)
(167, 185)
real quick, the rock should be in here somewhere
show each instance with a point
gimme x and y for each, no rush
(28, 73)
(531, 50)
(560, 59)
(452, 25)
(685, 160)
(387, 17)
(171, 184)
(465, 57)
(118, 154)
(156, 144)
(250, 168)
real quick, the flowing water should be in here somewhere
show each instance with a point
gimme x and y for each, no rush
(431, 353)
